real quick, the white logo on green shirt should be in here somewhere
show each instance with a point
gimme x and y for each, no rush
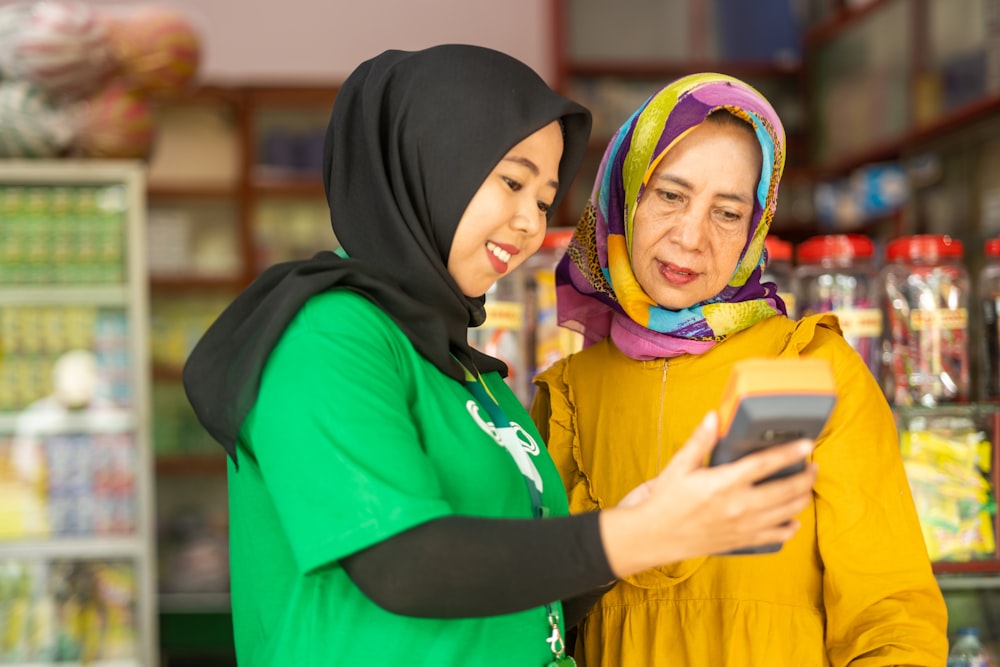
(515, 439)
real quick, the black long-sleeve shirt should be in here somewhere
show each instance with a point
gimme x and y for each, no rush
(457, 567)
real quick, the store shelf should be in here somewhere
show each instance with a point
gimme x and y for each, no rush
(89, 663)
(966, 443)
(81, 509)
(196, 285)
(970, 567)
(667, 70)
(108, 420)
(273, 186)
(292, 97)
(898, 78)
(67, 295)
(87, 172)
(168, 372)
(191, 464)
(192, 191)
(252, 119)
(949, 582)
(841, 19)
(955, 120)
(187, 603)
(96, 546)
(613, 82)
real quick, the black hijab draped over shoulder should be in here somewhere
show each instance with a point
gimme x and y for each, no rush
(412, 137)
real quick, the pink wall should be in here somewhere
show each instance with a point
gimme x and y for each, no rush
(317, 41)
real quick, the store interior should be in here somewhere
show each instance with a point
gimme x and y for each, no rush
(140, 194)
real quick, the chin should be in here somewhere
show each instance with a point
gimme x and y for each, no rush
(675, 304)
(476, 293)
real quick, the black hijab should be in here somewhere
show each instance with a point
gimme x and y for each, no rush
(412, 137)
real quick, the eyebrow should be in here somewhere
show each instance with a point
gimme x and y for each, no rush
(680, 181)
(525, 162)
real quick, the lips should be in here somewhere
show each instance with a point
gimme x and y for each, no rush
(500, 254)
(676, 275)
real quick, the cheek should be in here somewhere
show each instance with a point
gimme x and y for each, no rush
(653, 221)
(455, 254)
(458, 257)
(535, 244)
(643, 239)
(730, 250)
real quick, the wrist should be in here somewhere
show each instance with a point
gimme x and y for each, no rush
(624, 536)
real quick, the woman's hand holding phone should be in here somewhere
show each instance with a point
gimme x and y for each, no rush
(692, 509)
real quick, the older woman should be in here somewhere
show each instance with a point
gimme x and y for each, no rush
(663, 278)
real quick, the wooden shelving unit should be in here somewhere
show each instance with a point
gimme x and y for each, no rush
(956, 120)
(244, 182)
(191, 464)
(917, 132)
(841, 19)
(645, 76)
(214, 179)
(250, 180)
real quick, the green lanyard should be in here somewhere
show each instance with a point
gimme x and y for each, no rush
(477, 387)
(485, 399)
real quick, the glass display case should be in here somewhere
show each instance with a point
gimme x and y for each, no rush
(76, 546)
(951, 455)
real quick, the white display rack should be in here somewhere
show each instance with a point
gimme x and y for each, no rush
(92, 463)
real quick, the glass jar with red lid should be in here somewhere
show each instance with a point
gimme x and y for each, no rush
(926, 301)
(989, 300)
(836, 274)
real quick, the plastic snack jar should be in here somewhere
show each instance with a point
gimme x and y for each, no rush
(989, 302)
(926, 299)
(835, 274)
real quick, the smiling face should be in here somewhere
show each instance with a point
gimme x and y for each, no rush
(694, 215)
(505, 221)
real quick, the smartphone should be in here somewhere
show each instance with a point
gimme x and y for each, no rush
(769, 402)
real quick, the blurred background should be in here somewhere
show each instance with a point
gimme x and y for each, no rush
(155, 157)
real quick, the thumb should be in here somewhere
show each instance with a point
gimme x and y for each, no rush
(696, 450)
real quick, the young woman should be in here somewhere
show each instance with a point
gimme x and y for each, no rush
(390, 501)
(663, 277)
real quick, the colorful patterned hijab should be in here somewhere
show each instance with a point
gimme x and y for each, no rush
(598, 294)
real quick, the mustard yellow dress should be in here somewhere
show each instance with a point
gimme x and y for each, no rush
(853, 587)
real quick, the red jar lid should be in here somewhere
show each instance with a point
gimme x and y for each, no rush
(778, 249)
(835, 246)
(993, 247)
(557, 239)
(924, 246)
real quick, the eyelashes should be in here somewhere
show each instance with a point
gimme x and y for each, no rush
(515, 186)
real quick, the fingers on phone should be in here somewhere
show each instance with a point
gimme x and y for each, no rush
(699, 445)
(778, 501)
(789, 503)
(710, 422)
(794, 485)
(779, 534)
(764, 463)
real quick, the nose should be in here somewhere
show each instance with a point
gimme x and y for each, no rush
(527, 218)
(688, 232)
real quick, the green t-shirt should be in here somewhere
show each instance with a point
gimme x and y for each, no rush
(354, 438)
